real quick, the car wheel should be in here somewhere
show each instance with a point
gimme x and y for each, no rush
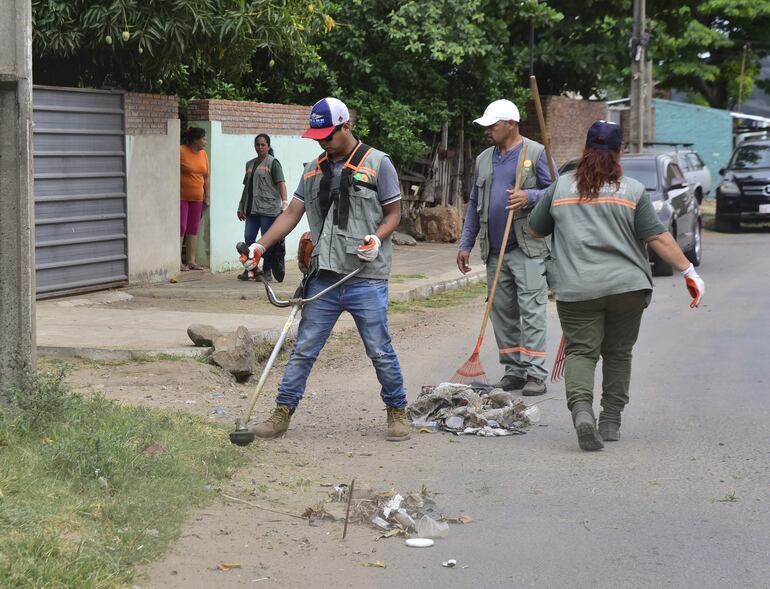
(726, 225)
(696, 253)
(699, 195)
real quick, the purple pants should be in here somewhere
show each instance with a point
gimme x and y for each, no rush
(190, 216)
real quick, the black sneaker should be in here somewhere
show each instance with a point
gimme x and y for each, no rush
(534, 387)
(244, 275)
(510, 383)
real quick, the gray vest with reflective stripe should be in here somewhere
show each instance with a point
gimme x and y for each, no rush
(267, 198)
(532, 247)
(596, 251)
(334, 248)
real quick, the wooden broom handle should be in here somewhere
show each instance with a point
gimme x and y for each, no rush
(508, 223)
(543, 130)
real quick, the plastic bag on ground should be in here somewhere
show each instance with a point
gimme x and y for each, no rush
(428, 527)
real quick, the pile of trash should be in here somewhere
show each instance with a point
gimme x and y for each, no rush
(473, 409)
(388, 512)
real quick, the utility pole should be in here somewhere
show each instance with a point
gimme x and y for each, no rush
(740, 80)
(17, 268)
(637, 46)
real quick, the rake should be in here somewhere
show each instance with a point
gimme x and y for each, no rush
(557, 372)
(472, 371)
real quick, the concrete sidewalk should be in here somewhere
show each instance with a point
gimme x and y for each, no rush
(154, 319)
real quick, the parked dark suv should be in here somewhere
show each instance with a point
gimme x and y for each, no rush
(674, 201)
(744, 193)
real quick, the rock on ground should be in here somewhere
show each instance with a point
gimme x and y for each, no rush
(403, 239)
(441, 224)
(235, 353)
(203, 335)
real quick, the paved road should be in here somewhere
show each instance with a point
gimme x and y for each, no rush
(645, 512)
(652, 510)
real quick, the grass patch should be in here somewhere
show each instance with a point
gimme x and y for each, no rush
(90, 488)
(400, 278)
(448, 298)
(708, 213)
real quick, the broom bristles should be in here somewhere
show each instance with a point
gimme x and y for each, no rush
(470, 372)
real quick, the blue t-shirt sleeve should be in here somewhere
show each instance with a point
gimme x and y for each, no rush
(388, 186)
(472, 224)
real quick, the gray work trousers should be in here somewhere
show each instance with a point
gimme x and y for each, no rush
(519, 313)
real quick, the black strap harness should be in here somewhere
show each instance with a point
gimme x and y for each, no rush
(348, 179)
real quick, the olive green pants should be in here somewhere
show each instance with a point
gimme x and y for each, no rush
(606, 327)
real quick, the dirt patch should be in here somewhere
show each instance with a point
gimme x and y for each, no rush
(336, 435)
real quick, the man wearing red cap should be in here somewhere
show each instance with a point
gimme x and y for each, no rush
(352, 199)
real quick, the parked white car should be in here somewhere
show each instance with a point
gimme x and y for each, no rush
(695, 171)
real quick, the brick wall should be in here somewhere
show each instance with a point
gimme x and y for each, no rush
(250, 118)
(148, 114)
(567, 121)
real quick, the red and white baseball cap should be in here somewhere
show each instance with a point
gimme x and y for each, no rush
(326, 114)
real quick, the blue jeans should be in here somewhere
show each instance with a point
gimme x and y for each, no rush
(259, 224)
(367, 302)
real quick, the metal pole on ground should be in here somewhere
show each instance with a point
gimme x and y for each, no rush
(17, 268)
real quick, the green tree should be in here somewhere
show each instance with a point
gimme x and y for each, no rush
(181, 46)
(695, 46)
(406, 67)
(698, 46)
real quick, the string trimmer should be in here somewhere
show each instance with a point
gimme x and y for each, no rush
(243, 436)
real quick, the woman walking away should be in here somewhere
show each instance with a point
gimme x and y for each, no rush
(194, 191)
(263, 197)
(599, 272)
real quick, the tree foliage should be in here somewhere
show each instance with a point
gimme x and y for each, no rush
(163, 45)
(405, 66)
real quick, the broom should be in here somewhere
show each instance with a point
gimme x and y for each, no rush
(472, 370)
(557, 372)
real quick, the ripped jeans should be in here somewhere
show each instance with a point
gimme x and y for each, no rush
(367, 301)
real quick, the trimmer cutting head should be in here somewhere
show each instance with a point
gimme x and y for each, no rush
(242, 436)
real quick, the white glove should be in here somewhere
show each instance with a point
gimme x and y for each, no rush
(256, 250)
(369, 249)
(284, 205)
(694, 284)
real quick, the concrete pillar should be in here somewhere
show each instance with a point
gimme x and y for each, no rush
(17, 267)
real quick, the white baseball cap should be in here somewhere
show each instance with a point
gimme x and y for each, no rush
(499, 110)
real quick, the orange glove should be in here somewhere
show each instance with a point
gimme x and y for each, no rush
(255, 255)
(369, 249)
(695, 285)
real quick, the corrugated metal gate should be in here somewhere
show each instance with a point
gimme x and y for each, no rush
(80, 190)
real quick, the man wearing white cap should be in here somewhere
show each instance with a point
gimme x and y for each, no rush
(352, 198)
(519, 309)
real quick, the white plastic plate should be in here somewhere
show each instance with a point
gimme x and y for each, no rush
(419, 542)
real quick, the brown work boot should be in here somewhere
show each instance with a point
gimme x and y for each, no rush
(398, 425)
(275, 425)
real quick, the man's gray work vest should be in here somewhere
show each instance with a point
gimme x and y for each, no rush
(267, 198)
(596, 251)
(532, 247)
(335, 248)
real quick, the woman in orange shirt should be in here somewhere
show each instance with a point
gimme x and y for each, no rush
(194, 190)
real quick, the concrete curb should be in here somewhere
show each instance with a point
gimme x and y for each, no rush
(428, 290)
(107, 354)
